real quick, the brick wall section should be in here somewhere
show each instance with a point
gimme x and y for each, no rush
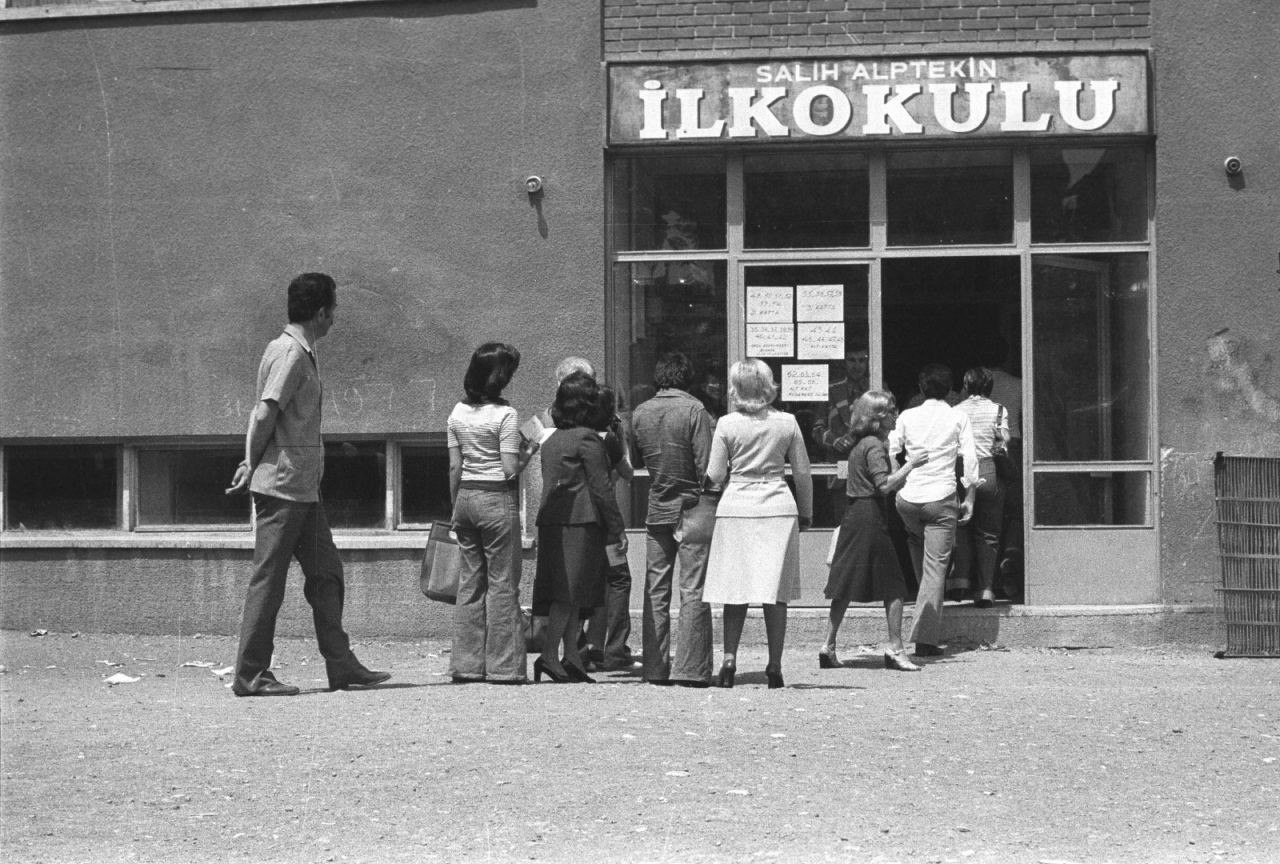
(706, 29)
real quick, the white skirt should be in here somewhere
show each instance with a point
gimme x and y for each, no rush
(753, 561)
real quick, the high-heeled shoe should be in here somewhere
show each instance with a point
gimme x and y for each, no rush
(725, 678)
(898, 660)
(828, 660)
(540, 668)
(774, 678)
(576, 675)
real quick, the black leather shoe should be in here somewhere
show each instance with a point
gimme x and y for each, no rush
(924, 649)
(688, 682)
(265, 687)
(361, 677)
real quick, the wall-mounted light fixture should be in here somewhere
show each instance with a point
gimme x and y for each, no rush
(533, 184)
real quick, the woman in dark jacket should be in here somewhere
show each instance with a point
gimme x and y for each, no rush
(578, 519)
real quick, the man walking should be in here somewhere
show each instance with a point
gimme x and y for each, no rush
(672, 434)
(284, 460)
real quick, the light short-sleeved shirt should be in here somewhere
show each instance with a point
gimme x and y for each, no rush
(289, 376)
(483, 433)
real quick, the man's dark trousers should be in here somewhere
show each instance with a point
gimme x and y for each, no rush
(285, 530)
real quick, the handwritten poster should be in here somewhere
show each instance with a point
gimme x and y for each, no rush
(771, 340)
(769, 304)
(820, 341)
(819, 302)
(804, 382)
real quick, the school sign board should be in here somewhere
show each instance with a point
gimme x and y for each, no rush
(908, 98)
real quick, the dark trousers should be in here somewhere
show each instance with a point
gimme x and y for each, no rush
(610, 624)
(285, 530)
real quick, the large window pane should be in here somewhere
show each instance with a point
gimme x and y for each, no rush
(354, 487)
(1088, 194)
(669, 306)
(807, 321)
(60, 487)
(1093, 498)
(187, 488)
(962, 312)
(424, 484)
(944, 197)
(669, 203)
(1092, 358)
(806, 200)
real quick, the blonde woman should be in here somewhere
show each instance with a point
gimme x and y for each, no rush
(755, 548)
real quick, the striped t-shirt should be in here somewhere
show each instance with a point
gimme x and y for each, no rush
(483, 433)
(983, 414)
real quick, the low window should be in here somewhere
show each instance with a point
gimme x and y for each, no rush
(424, 484)
(354, 484)
(187, 488)
(61, 487)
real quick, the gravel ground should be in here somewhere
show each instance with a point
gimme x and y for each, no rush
(1035, 755)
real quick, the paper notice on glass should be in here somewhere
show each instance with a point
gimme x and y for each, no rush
(771, 340)
(804, 383)
(820, 341)
(769, 304)
(819, 302)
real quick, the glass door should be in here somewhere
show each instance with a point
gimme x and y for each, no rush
(1092, 464)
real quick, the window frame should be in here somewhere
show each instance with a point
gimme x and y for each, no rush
(1021, 247)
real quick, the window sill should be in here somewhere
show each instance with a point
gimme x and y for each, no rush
(99, 8)
(193, 540)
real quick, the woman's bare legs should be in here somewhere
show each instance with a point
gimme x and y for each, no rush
(834, 620)
(735, 616)
(559, 619)
(893, 617)
(775, 630)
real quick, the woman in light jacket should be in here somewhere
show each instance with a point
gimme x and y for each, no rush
(486, 456)
(755, 548)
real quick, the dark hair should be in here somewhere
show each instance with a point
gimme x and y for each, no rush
(308, 294)
(673, 372)
(606, 411)
(978, 381)
(935, 380)
(577, 402)
(489, 372)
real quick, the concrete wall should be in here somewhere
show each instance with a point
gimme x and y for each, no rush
(163, 177)
(1217, 254)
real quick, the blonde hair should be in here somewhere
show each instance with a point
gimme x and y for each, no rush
(751, 386)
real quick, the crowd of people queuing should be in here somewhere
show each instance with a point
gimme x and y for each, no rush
(719, 506)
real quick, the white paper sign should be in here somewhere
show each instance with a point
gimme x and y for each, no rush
(771, 340)
(819, 302)
(769, 304)
(820, 341)
(804, 383)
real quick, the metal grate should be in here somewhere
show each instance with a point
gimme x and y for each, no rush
(1247, 494)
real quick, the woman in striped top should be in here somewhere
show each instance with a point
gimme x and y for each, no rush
(978, 543)
(486, 455)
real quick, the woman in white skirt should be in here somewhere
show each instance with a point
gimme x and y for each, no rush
(755, 549)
